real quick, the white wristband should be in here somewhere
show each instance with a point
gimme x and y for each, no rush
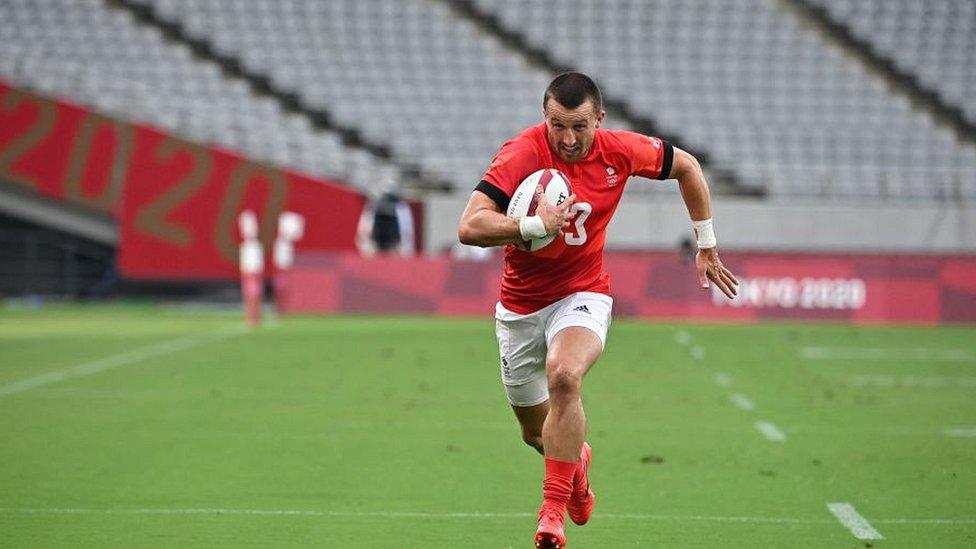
(704, 233)
(532, 227)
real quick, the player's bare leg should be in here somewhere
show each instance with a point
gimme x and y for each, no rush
(571, 353)
(531, 419)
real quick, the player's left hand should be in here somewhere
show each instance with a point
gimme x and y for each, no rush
(710, 268)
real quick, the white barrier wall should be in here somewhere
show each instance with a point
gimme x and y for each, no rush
(660, 221)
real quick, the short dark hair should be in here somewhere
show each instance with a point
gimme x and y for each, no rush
(572, 89)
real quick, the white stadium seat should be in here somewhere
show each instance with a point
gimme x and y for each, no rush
(768, 98)
(103, 57)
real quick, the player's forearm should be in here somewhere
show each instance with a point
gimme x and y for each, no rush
(693, 187)
(487, 228)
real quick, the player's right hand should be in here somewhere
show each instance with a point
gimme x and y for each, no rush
(554, 217)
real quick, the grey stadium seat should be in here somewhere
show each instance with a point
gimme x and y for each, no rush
(102, 57)
(745, 80)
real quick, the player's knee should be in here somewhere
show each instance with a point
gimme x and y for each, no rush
(564, 379)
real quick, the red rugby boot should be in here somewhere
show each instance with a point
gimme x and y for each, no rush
(581, 502)
(550, 533)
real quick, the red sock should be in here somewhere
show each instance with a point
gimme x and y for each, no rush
(558, 485)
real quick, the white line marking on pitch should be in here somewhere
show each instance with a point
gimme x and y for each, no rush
(682, 337)
(922, 354)
(853, 521)
(723, 379)
(910, 381)
(742, 402)
(770, 431)
(121, 359)
(925, 521)
(455, 515)
(960, 432)
(393, 514)
(697, 352)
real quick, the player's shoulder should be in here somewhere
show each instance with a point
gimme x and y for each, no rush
(532, 137)
(621, 146)
(523, 147)
(625, 140)
(516, 159)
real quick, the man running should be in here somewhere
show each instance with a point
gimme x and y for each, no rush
(554, 312)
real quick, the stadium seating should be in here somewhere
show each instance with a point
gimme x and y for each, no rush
(406, 73)
(935, 41)
(99, 56)
(768, 97)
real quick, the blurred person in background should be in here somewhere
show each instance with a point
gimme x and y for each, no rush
(386, 227)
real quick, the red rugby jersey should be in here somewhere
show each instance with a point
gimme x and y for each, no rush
(573, 262)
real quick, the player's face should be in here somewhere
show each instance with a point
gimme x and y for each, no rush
(571, 131)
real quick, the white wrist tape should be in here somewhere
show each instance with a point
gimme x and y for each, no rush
(532, 227)
(704, 233)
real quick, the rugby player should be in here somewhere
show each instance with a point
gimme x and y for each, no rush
(554, 312)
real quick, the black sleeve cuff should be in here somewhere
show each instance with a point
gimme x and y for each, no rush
(494, 193)
(668, 161)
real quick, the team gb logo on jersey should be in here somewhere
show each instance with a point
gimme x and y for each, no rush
(611, 177)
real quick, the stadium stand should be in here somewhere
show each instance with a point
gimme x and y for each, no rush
(768, 97)
(405, 73)
(99, 56)
(936, 41)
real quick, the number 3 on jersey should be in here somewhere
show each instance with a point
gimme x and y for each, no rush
(578, 236)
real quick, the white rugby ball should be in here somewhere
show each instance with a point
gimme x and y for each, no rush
(555, 186)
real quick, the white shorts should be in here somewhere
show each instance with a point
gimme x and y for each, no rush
(523, 341)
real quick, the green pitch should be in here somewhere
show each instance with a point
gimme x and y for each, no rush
(160, 427)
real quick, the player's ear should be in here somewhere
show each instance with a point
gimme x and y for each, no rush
(600, 117)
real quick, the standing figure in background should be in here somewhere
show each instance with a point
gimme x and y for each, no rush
(386, 227)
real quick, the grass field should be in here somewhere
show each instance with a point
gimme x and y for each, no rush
(139, 426)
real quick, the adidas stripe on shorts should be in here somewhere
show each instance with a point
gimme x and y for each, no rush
(523, 341)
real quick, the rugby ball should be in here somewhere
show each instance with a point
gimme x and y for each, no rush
(555, 186)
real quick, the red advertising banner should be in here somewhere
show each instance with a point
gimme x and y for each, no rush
(176, 202)
(181, 201)
(62, 151)
(853, 288)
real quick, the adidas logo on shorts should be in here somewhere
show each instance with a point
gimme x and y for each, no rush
(582, 309)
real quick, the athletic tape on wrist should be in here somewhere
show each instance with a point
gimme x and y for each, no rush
(704, 233)
(532, 227)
